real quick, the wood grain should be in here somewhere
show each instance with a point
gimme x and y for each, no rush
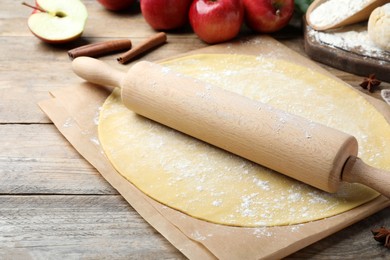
(88, 227)
(53, 204)
(36, 159)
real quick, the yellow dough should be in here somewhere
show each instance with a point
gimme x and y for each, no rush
(213, 185)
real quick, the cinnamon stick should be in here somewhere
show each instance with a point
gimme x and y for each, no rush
(100, 48)
(148, 44)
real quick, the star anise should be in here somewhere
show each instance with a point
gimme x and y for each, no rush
(382, 235)
(370, 83)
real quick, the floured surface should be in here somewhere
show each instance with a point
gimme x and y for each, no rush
(346, 49)
(354, 39)
(210, 184)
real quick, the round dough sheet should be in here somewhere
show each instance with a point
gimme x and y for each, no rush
(210, 184)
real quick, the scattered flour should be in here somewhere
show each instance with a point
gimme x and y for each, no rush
(95, 140)
(295, 228)
(262, 232)
(217, 203)
(198, 236)
(68, 122)
(96, 117)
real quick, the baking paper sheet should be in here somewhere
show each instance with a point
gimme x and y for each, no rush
(75, 109)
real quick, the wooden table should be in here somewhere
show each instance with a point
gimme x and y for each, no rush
(54, 204)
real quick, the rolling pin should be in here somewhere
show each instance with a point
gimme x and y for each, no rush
(313, 153)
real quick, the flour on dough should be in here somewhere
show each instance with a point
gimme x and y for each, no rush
(210, 184)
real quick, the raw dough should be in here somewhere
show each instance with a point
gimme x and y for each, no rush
(379, 26)
(213, 185)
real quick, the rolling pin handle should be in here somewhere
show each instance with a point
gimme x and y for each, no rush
(355, 170)
(97, 72)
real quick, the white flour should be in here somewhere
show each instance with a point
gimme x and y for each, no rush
(353, 39)
(385, 93)
(334, 11)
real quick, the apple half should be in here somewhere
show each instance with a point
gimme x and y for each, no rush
(58, 21)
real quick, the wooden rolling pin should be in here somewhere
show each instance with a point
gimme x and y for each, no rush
(312, 153)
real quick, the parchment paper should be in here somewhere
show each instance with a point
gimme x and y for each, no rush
(75, 110)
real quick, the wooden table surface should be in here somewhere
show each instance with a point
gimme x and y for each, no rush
(54, 204)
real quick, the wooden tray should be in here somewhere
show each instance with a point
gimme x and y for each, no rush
(195, 238)
(355, 61)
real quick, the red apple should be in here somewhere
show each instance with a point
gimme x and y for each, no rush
(268, 16)
(116, 5)
(216, 21)
(165, 14)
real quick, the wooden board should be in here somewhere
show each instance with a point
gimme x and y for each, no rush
(181, 230)
(355, 61)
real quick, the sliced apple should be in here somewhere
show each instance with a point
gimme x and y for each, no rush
(58, 21)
